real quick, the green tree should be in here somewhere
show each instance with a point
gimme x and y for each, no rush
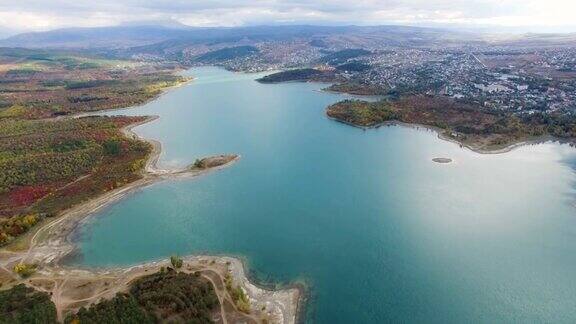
(176, 262)
(22, 304)
(112, 147)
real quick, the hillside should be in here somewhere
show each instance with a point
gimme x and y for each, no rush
(164, 37)
(299, 75)
(227, 53)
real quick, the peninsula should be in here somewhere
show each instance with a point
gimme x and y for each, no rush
(479, 129)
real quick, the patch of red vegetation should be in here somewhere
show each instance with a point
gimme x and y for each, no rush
(27, 195)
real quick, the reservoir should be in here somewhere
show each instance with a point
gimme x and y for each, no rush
(376, 229)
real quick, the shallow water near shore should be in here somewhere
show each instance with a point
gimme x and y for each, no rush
(380, 231)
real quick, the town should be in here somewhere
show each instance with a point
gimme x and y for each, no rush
(519, 80)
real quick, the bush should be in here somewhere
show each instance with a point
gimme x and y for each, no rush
(176, 262)
(25, 270)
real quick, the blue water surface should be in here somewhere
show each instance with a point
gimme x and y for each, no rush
(379, 231)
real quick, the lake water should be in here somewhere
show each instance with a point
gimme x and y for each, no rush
(378, 231)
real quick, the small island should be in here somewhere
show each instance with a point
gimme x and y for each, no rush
(213, 161)
(442, 160)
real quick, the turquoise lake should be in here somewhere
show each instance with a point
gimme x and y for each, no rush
(378, 231)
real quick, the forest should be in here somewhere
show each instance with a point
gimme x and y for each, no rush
(163, 297)
(299, 75)
(356, 88)
(22, 304)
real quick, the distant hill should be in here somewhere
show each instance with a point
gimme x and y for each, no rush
(299, 75)
(227, 53)
(535, 40)
(163, 37)
(342, 56)
(102, 37)
(172, 40)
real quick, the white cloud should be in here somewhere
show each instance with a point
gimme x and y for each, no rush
(47, 14)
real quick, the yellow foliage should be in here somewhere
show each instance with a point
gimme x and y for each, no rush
(13, 111)
(243, 305)
(159, 86)
(137, 165)
(30, 220)
(24, 269)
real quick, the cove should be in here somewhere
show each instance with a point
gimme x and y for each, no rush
(378, 231)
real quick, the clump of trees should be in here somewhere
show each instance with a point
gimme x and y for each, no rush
(299, 75)
(123, 308)
(362, 113)
(166, 296)
(21, 304)
(176, 295)
(14, 226)
(112, 147)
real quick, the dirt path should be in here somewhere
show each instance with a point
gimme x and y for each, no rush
(220, 299)
(57, 296)
(71, 289)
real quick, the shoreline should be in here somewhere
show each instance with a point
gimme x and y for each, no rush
(164, 91)
(439, 133)
(52, 242)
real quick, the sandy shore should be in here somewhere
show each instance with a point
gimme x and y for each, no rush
(52, 242)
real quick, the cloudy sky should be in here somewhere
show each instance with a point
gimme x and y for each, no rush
(526, 15)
